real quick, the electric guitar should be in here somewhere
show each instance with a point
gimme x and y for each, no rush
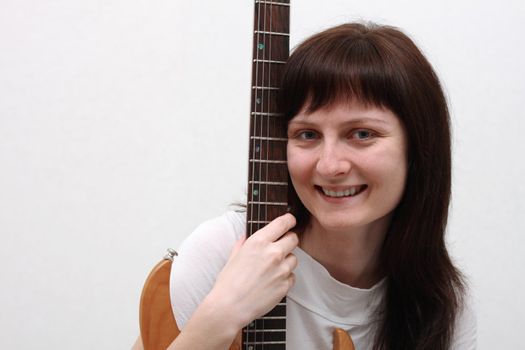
(267, 191)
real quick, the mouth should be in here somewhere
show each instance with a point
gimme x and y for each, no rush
(351, 191)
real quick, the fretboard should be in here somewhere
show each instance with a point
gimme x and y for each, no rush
(267, 174)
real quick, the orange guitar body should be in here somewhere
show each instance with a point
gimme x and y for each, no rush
(158, 328)
(157, 324)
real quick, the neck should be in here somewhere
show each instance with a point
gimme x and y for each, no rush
(351, 256)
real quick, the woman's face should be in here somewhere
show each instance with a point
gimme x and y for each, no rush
(348, 164)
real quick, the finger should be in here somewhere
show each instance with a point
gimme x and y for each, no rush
(287, 242)
(291, 261)
(279, 226)
(291, 280)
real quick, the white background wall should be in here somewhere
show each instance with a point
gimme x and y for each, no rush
(123, 125)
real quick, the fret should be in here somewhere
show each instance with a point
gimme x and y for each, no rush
(258, 222)
(271, 33)
(265, 88)
(268, 203)
(257, 204)
(271, 3)
(267, 161)
(269, 61)
(269, 183)
(269, 138)
(264, 342)
(264, 330)
(267, 114)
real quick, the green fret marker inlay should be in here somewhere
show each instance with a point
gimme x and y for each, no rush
(255, 193)
(260, 46)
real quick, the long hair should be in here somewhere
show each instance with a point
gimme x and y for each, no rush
(381, 66)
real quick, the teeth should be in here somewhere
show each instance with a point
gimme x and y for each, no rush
(349, 192)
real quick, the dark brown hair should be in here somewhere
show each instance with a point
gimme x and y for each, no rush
(381, 66)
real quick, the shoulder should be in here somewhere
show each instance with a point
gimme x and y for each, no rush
(465, 332)
(215, 235)
(200, 259)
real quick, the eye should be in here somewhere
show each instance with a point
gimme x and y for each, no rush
(362, 134)
(307, 135)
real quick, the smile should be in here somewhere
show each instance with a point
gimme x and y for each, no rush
(348, 192)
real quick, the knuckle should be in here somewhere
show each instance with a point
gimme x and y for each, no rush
(256, 240)
(284, 271)
(292, 240)
(295, 238)
(288, 266)
(293, 261)
(291, 280)
(275, 255)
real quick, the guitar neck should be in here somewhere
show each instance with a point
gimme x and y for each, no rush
(267, 174)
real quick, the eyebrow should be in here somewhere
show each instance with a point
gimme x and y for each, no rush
(304, 120)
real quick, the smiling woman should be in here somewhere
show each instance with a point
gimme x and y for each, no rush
(348, 164)
(369, 159)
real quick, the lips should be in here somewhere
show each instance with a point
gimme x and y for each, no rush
(350, 191)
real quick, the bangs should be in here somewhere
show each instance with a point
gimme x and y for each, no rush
(339, 66)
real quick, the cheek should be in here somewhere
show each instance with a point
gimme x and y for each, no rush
(299, 167)
(296, 169)
(387, 169)
(394, 181)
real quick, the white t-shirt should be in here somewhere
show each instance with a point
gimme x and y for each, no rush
(316, 304)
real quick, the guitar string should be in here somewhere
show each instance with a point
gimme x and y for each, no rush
(260, 324)
(256, 98)
(271, 29)
(251, 208)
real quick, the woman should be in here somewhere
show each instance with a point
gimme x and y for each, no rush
(369, 159)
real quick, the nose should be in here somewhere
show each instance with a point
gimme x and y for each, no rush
(333, 161)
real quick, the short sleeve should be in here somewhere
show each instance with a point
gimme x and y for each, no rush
(200, 259)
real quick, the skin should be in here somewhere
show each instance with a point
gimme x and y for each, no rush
(345, 145)
(256, 277)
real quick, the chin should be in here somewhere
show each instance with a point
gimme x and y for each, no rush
(342, 222)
